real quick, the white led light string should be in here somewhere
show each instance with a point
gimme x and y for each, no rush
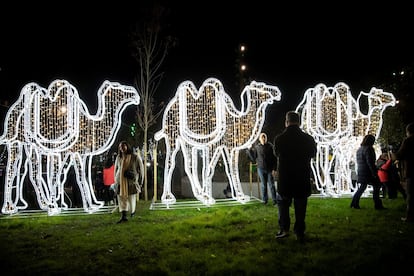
(333, 117)
(206, 125)
(49, 131)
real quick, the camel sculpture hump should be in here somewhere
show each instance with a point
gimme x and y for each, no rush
(33, 117)
(51, 121)
(205, 107)
(326, 112)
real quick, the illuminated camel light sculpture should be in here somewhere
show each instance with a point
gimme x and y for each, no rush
(49, 131)
(205, 123)
(334, 118)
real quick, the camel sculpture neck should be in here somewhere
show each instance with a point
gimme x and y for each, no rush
(252, 119)
(97, 133)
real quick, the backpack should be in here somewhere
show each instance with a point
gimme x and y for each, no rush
(379, 163)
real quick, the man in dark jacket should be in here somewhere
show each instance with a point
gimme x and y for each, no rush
(263, 154)
(367, 173)
(406, 153)
(295, 149)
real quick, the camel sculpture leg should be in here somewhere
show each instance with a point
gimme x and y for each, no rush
(53, 163)
(206, 178)
(82, 166)
(94, 203)
(191, 154)
(36, 178)
(63, 172)
(235, 177)
(167, 196)
(18, 156)
(12, 188)
(232, 172)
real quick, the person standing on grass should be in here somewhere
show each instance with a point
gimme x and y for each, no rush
(395, 179)
(367, 173)
(295, 149)
(128, 170)
(383, 165)
(406, 153)
(263, 154)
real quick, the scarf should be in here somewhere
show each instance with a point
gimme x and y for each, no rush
(125, 163)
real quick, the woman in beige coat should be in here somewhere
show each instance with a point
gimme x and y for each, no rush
(128, 172)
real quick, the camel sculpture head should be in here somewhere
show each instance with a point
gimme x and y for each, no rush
(113, 99)
(263, 93)
(371, 122)
(269, 92)
(254, 99)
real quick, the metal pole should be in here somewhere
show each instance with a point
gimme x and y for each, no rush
(154, 199)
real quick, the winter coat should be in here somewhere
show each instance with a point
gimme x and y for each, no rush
(294, 149)
(406, 153)
(264, 156)
(366, 169)
(135, 168)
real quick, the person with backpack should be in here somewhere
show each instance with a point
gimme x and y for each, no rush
(383, 165)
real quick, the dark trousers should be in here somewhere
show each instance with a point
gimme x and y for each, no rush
(299, 204)
(266, 179)
(375, 194)
(410, 199)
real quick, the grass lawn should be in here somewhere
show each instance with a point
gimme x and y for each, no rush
(222, 240)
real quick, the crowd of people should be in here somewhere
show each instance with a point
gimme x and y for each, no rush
(288, 160)
(383, 173)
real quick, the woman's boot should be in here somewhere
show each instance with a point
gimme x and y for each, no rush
(123, 217)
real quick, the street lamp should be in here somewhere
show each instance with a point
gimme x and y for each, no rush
(241, 66)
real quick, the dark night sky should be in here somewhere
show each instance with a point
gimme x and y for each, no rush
(293, 46)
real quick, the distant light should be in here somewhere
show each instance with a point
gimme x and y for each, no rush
(243, 67)
(242, 48)
(402, 73)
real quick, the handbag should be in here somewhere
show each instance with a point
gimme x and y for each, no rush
(129, 174)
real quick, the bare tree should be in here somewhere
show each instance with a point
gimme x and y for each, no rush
(150, 47)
